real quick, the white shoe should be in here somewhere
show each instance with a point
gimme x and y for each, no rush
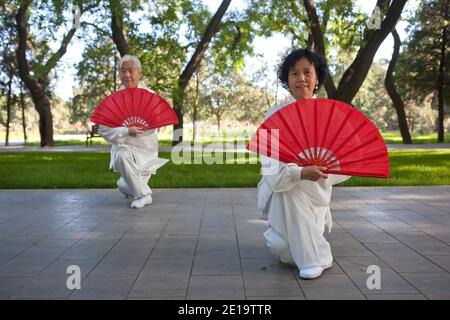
(313, 272)
(141, 202)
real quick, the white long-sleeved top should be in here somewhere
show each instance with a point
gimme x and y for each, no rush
(144, 146)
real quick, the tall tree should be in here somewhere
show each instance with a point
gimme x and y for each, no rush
(22, 108)
(229, 38)
(423, 65)
(8, 107)
(442, 83)
(355, 74)
(35, 65)
(96, 77)
(117, 26)
(193, 64)
(331, 27)
(7, 62)
(393, 93)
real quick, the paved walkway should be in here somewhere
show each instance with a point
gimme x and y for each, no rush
(208, 244)
(218, 148)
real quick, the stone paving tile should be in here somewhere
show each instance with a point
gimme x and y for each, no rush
(279, 297)
(432, 285)
(97, 295)
(413, 264)
(127, 244)
(105, 285)
(162, 278)
(9, 247)
(251, 249)
(423, 243)
(182, 227)
(208, 244)
(216, 287)
(216, 247)
(167, 297)
(250, 228)
(343, 245)
(396, 249)
(174, 248)
(122, 269)
(9, 285)
(400, 296)
(269, 277)
(441, 261)
(328, 280)
(20, 269)
(89, 249)
(227, 232)
(373, 236)
(46, 285)
(59, 268)
(403, 259)
(226, 264)
(333, 294)
(390, 281)
(40, 295)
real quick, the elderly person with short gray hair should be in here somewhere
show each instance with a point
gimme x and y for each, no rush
(134, 152)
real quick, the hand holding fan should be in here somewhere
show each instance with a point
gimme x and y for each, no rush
(134, 107)
(323, 132)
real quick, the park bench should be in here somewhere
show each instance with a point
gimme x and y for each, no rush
(92, 133)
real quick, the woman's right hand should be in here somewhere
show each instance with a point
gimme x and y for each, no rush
(134, 131)
(313, 173)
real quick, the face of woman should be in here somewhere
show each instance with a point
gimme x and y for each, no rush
(302, 79)
(129, 74)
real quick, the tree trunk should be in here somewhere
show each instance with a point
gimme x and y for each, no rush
(194, 116)
(115, 72)
(354, 76)
(117, 27)
(218, 117)
(310, 43)
(192, 66)
(36, 88)
(395, 96)
(194, 124)
(318, 40)
(22, 107)
(8, 108)
(45, 121)
(37, 84)
(441, 77)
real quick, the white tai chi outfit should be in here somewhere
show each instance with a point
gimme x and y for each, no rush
(297, 211)
(135, 158)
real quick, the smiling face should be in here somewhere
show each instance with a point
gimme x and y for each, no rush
(302, 79)
(129, 74)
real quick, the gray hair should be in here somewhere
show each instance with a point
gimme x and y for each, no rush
(134, 59)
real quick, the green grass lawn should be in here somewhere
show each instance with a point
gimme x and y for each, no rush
(393, 137)
(90, 170)
(417, 138)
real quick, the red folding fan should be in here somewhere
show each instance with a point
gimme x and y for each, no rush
(134, 107)
(326, 133)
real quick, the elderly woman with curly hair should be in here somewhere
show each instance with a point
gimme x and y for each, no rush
(294, 199)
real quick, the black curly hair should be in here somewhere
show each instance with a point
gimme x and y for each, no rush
(289, 61)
